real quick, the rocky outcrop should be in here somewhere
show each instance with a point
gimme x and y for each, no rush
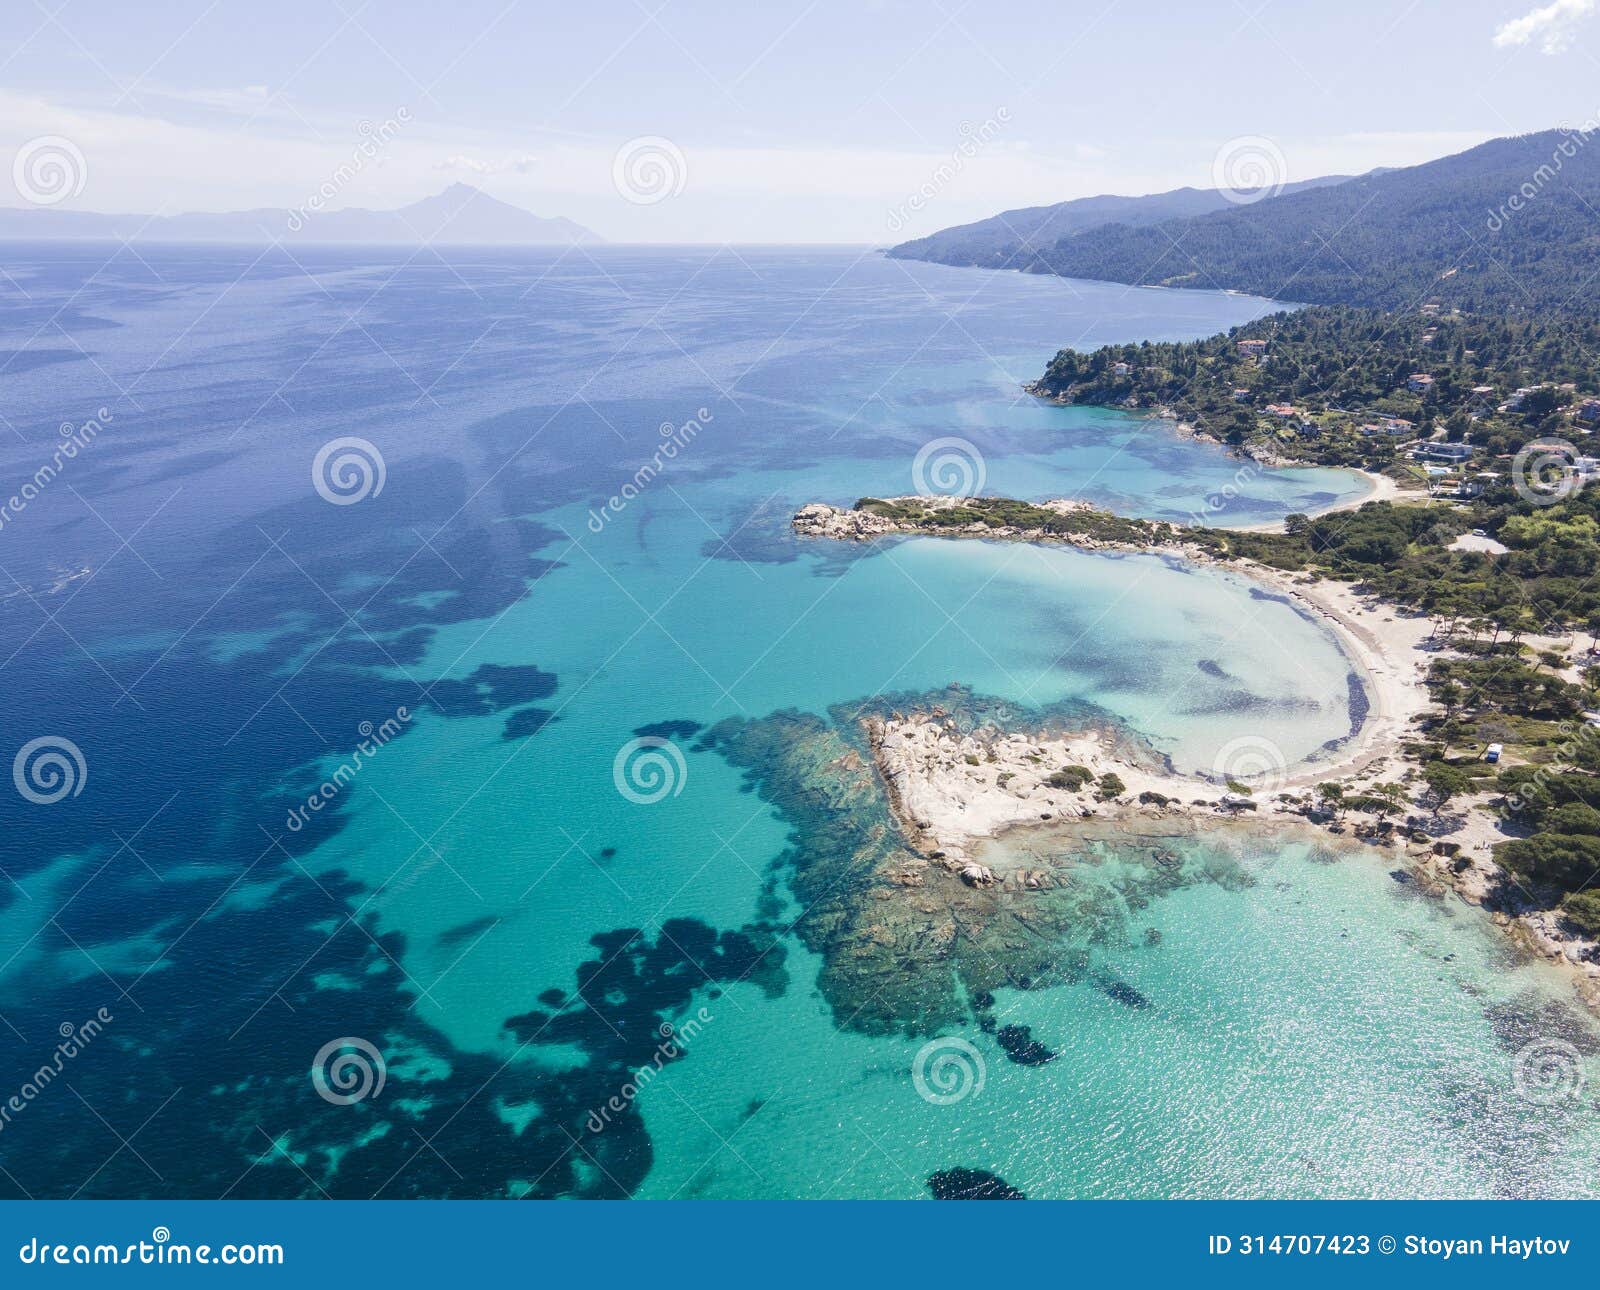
(952, 783)
(824, 521)
(926, 515)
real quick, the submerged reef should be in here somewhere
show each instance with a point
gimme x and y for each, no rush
(961, 1183)
(638, 1006)
(908, 942)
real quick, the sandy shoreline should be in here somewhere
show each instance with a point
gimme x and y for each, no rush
(957, 792)
(958, 786)
(1389, 651)
(1378, 487)
(1387, 648)
(1381, 488)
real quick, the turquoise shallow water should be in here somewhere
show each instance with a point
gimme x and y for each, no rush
(1304, 1034)
(1270, 1063)
(1038, 626)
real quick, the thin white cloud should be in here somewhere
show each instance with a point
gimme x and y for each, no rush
(518, 163)
(1552, 26)
(245, 100)
(144, 163)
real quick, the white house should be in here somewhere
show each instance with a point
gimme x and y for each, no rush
(1453, 452)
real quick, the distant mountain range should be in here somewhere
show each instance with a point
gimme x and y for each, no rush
(459, 216)
(1014, 239)
(1510, 225)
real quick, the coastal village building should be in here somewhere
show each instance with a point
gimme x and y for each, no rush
(1252, 348)
(1396, 426)
(1453, 452)
(1283, 410)
(1589, 410)
(1121, 369)
(1520, 397)
(1420, 381)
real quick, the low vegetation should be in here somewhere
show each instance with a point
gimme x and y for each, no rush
(1491, 688)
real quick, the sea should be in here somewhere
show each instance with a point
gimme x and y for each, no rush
(437, 766)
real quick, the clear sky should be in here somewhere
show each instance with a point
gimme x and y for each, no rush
(778, 122)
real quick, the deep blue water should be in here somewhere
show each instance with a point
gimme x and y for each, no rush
(479, 902)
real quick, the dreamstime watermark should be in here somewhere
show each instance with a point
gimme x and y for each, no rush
(675, 1040)
(948, 467)
(1572, 143)
(1544, 472)
(1574, 736)
(1217, 502)
(348, 470)
(160, 1250)
(49, 768)
(373, 739)
(649, 169)
(1547, 1072)
(1281, 1043)
(74, 439)
(948, 1070)
(649, 769)
(1249, 168)
(973, 140)
(348, 1070)
(674, 439)
(74, 1039)
(373, 140)
(48, 170)
(1251, 761)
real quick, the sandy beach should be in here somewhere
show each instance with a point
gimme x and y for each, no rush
(957, 792)
(1381, 488)
(1388, 648)
(957, 786)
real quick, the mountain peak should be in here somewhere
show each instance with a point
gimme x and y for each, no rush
(460, 214)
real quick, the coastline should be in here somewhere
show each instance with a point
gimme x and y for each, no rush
(928, 762)
(951, 803)
(1386, 646)
(1381, 488)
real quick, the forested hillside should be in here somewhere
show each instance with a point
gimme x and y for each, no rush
(1510, 226)
(1324, 377)
(1014, 239)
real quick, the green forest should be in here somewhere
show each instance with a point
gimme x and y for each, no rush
(1508, 227)
(1343, 369)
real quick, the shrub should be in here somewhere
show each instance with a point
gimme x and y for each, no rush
(1582, 909)
(1111, 786)
(1071, 778)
